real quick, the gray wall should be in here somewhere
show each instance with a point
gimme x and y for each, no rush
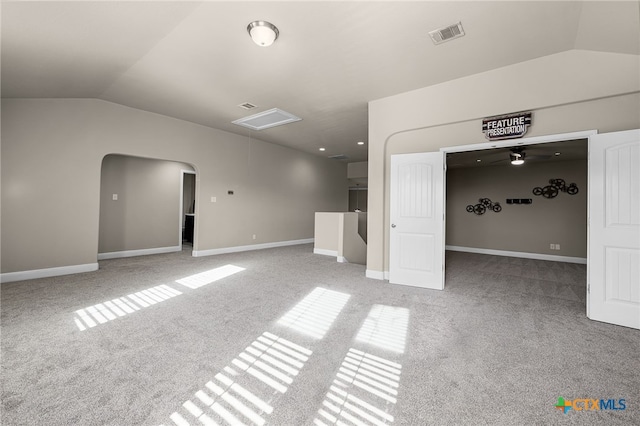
(52, 151)
(147, 211)
(522, 228)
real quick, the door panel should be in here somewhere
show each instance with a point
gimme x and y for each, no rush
(614, 228)
(416, 252)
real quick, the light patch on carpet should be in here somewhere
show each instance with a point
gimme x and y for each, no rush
(102, 313)
(208, 277)
(241, 392)
(385, 327)
(315, 314)
(364, 391)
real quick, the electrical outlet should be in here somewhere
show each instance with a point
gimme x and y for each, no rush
(557, 246)
(114, 197)
(552, 246)
(254, 236)
(213, 199)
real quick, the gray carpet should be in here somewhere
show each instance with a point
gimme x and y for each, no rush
(286, 337)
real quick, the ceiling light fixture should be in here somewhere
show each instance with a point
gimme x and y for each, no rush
(321, 149)
(263, 33)
(360, 143)
(517, 158)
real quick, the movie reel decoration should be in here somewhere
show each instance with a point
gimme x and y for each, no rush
(483, 205)
(555, 186)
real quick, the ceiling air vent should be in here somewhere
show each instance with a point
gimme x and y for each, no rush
(247, 105)
(339, 157)
(445, 34)
(266, 119)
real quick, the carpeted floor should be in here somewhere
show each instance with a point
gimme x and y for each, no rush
(286, 337)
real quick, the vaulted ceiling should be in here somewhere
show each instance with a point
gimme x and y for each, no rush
(195, 61)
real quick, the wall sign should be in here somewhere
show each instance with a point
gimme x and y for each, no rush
(509, 126)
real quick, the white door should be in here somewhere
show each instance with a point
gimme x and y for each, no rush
(614, 228)
(416, 250)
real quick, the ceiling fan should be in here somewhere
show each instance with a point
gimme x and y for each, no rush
(517, 156)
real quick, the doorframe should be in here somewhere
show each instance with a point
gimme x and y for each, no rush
(558, 137)
(181, 217)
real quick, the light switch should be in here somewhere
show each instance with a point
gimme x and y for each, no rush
(114, 197)
(213, 199)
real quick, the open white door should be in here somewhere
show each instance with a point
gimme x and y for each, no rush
(416, 250)
(614, 228)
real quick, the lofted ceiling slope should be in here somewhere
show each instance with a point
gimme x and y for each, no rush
(195, 60)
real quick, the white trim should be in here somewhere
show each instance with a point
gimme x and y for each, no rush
(524, 255)
(342, 259)
(525, 141)
(236, 249)
(377, 275)
(140, 252)
(48, 272)
(325, 252)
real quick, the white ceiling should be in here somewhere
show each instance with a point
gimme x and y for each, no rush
(195, 60)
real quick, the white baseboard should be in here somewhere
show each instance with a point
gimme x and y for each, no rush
(524, 255)
(140, 252)
(325, 252)
(342, 259)
(377, 275)
(211, 252)
(47, 272)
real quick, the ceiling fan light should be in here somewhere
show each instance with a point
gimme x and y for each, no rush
(517, 158)
(263, 33)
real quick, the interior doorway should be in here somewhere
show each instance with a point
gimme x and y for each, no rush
(187, 210)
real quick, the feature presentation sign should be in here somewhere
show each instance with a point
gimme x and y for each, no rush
(509, 126)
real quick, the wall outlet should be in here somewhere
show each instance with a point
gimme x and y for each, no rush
(552, 246)
(254, 236)
(557, 246)
(114, 197)
(213, 199)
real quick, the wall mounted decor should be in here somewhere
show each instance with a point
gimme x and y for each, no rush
(519, 201)
(555, 186)
(483, 205)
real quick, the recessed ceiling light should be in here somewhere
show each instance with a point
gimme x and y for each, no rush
(321, 149)
(478, 160)
(360, 143)
(556, 154)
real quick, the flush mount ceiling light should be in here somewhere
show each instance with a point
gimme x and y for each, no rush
(517, 157)
(263, 33)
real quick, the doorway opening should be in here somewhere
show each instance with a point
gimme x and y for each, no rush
(138, 206)
(187, 210)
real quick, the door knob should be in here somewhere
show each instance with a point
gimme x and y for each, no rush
(393, 225)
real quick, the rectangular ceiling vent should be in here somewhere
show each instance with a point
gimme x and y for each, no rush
(445, 34)
(247, 105)
(339, 157)
(267, 119)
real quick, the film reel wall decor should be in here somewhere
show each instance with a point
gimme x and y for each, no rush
(483, 205)
(555, 187)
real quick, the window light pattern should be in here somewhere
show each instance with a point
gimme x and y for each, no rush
(314, 314)
(108, 311)
(385, 327)
(120, 307)
(207, 277)
(364, 392)
(242, 392)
